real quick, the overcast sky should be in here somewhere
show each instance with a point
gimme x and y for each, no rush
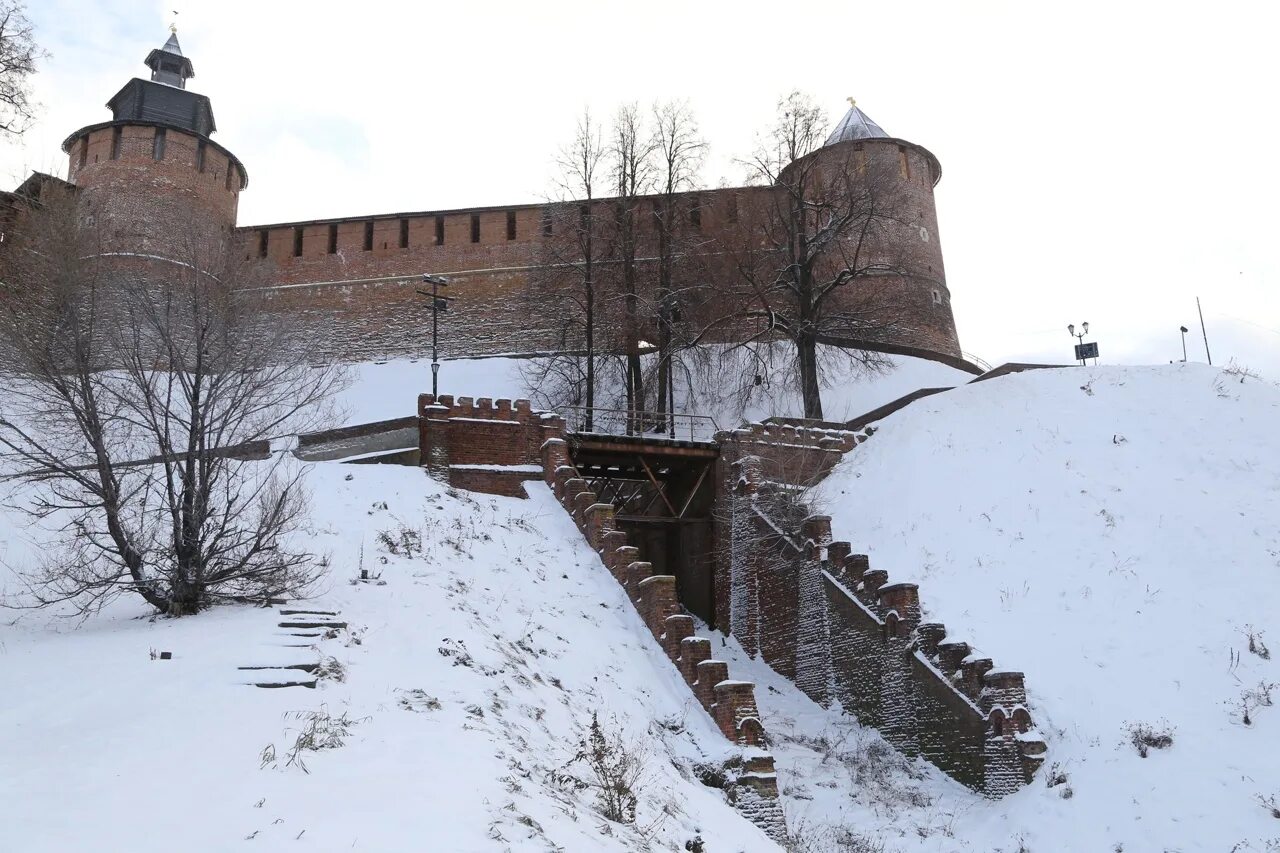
(1105, 162)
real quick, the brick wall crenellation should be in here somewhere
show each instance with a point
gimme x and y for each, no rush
(844, 632)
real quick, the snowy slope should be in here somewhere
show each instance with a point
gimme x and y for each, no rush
(1114, 533)
(471, 671)
(387, 390)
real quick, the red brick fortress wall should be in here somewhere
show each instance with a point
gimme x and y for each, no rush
(356, 278)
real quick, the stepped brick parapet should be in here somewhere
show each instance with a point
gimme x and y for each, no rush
(731, 704)
(839, 628)
(791, 593)
(482, 444)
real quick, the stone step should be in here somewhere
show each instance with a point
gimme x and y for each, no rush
(303, 667)
(281, 676)
(307, 625)
(308, 613)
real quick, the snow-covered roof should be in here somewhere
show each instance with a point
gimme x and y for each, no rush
(855, 125)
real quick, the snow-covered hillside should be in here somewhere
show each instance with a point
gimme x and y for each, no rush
(472, 668)
(1114, 533)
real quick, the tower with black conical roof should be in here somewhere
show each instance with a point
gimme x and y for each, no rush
(152, 177)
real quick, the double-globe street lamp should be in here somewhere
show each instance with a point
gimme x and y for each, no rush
(438, 304)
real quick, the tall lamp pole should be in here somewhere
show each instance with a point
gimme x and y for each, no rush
(438, 303)
(1183, 329)
(1080, 350)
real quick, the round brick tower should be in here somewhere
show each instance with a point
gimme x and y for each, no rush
(914, 294)
(152, 179)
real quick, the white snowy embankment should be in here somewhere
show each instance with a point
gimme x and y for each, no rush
(471, 669)
(390, 389)
(1114, 532)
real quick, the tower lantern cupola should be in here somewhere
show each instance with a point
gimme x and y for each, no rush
(164, 98)
(168, 65)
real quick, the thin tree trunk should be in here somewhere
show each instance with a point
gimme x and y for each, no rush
(807, 357)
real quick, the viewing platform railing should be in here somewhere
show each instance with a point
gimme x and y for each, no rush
(623, 422)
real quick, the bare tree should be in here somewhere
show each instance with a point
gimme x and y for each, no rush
(631, 167)
(817, 231)
(18, 57)
(679, 151)
(132, 401)
(564, 286)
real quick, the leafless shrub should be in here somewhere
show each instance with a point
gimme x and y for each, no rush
(616, 769)
(1239, 371)
(1055, 776)
(1269, 803)
(331, 669)
(402, 541)
(1256, 646)
(417, 699)
(807, 838)
(1253, 698)
(1149, 736)
(320, 731)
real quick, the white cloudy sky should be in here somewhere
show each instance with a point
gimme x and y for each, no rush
(1101, 161)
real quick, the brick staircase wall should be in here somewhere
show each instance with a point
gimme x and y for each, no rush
(836, 626)
(494, 446)
(731, 704)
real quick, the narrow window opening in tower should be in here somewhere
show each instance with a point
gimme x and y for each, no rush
(297, 242)
(511, 224)
(157, 144)
(333, 238)
(115, 142)
(904, 165)
(733, 209)
(262, 243)
(200, 156)
(937, 297)
(695, 213)
(439, 230)
(84, 151)
(368, 235)
(547, 225)
(475, 228)
(404, 233)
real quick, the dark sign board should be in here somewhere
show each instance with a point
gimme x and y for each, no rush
(1089, 350)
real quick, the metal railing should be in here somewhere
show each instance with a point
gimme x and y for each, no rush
(973, 359)
(668, 425)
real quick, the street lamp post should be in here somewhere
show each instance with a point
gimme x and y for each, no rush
(438, 303)
(1083, 352)
(1183, 329)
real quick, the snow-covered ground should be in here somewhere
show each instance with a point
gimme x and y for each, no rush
(472, 669)
(381, 391)
(1114, 532)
